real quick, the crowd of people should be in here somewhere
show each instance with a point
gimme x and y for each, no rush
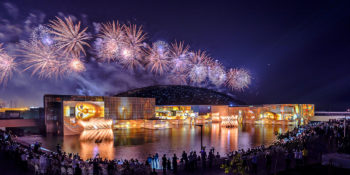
(293, 149)
(33, 158)
(41, 161)
(302, 146)
(188, 162)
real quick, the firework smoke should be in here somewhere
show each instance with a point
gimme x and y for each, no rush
(7, 66)
(112, 42)
(158, 57)
(43, 59)
(238, 79)
(179, 54)
(198, 73)
(60, 49)
(217, 74)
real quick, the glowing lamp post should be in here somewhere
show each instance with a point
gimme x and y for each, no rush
(201, 125)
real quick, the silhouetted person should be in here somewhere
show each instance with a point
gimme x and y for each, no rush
(110, 168)
(164, 163)
(168, 164)
(175, 164)
(184, 158)
(268, 163)
(36, 147)
(254, 163)
(58, 148)
(77, 170)
(95, 168)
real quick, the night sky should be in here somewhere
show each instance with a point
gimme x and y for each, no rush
(296, 51)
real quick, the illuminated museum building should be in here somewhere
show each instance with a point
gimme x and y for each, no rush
(259, 114)
(69, 114)
(21, 113)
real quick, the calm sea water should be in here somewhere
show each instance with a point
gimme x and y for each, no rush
(139, 143)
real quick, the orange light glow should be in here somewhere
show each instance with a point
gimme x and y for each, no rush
(14, 109)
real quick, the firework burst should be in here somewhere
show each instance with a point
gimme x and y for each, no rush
(76, 65)
(42, 58)
(130, 59)
(180, 57)
(109, 50)
(43, 34)
(161, 47)
(201, 57)
(112, 37)
(200, 63)
(198, 73)
(7, 66)
(217, 74)
(158, 57)
(54, 50)
(132, 51)
(70, 39)
(47, 62)
(238, 79)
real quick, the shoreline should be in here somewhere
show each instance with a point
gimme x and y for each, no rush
(295, 150)
(234, 140)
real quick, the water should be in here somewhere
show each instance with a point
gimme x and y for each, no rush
(139, 143)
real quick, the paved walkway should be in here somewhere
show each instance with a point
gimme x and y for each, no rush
(317, 169)
(8, 166)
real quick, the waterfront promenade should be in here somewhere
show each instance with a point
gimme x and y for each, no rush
(294, 152)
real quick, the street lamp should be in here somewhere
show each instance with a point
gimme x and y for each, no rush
(201, 125)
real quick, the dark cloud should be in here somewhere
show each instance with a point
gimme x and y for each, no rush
(11, 9)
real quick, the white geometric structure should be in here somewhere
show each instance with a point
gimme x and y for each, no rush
(229, 121)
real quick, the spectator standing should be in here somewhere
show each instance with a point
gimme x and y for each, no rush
(175, 164)
(164, 163)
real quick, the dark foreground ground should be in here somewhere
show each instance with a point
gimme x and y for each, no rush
(10, 167)
(317, 170)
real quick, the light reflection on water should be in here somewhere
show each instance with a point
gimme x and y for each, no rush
(139, 143)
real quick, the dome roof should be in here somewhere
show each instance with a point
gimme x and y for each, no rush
(182, 95)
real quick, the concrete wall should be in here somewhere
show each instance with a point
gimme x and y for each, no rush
(326, 118)
(19, 123)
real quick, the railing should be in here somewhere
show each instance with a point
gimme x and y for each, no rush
(326, 113)
(19, 123)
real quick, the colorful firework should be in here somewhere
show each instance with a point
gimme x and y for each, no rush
(158, 57)
(217, 74)
(75, 65)
(178, 78)
(132, 52)
(70, 39)
(130, 60)
(198, 73)
(112, 30)
(180, 56)
(134, 36)
(112, 37)
(200, 63)
(47, 62)
(108, 50)
(7, 66)
(43, 34)
(55, 50)
(238, 79)
(42, 58)
(201, 57)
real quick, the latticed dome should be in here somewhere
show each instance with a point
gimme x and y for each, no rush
(182, 95)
